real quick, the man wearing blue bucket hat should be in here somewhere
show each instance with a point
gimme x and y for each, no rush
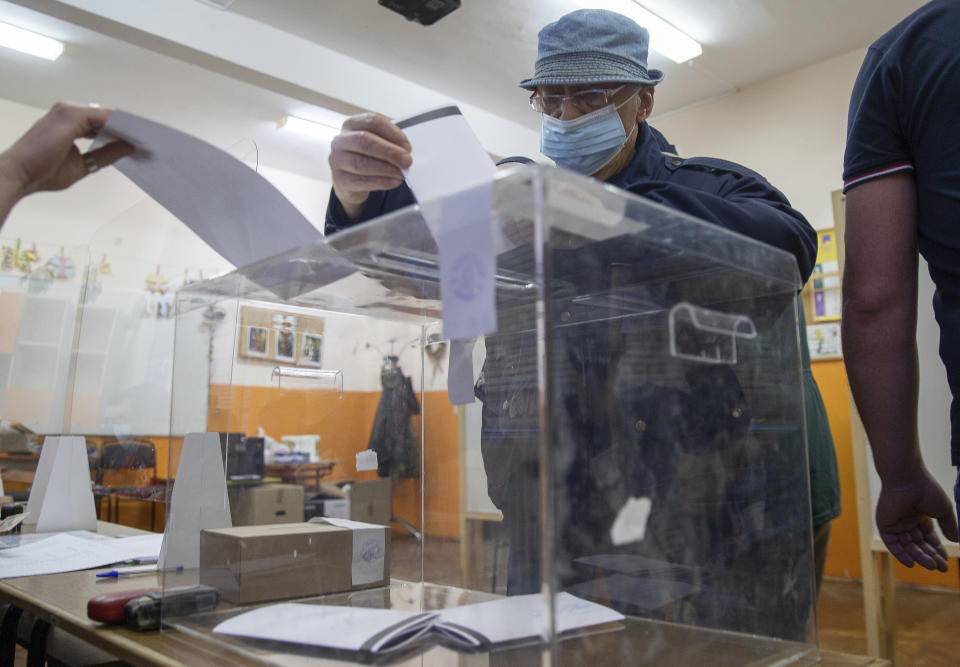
(594, 93)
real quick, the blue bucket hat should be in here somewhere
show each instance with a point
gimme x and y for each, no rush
(592, 46)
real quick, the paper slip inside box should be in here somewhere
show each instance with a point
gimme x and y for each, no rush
(384, 630)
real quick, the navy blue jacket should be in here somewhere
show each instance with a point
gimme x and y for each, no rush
(717, 191)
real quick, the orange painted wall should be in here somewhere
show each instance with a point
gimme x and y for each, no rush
(344, 424)
(843, 556)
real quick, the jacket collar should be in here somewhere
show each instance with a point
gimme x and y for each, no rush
(647, 160)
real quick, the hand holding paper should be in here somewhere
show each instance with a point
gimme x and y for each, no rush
(368, 154)
(46, 158)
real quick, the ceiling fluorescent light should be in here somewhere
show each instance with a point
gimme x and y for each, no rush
(664, 38)
(321, 131)
(25, 41)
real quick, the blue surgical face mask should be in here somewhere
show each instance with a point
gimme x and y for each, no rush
(584, 144)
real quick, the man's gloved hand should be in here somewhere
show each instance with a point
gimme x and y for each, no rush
(904, 519)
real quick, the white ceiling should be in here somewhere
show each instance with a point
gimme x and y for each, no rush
(229, 75)
(479, 52)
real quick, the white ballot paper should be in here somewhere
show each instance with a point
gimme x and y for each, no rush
(451, 177)
(66, 553)
(229, 205)
(520, 617)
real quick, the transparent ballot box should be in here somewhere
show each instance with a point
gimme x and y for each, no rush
(626, 482)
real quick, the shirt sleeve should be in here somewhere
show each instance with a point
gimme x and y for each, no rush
(876, 146)
(378, 203)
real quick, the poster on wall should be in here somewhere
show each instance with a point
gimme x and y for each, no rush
(826, 279)
(824, 341)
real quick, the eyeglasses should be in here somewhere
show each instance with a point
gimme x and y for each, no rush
(584, 101)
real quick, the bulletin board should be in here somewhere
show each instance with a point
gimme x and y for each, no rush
(278, 336)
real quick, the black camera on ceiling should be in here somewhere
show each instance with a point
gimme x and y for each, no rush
(424, 12)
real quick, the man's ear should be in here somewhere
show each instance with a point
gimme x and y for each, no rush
(645, 108)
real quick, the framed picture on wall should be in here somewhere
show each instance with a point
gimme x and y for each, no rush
(286, 345)
(255, 342)
(270, 335)
(311, 350)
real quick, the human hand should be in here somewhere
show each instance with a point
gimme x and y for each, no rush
(904, 519)
(367, 155)
(46, 157)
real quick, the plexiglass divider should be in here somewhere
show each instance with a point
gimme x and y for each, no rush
(41, 285)
(635, 490)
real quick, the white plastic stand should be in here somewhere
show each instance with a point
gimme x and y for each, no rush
(198, 501)
(61, 497)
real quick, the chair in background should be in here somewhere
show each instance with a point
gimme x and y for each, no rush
(128, 471)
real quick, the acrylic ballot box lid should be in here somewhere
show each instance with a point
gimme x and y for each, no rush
(633, 434)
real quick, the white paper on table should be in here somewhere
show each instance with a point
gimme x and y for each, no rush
(369, 551)
(347, 628)
(384, 630)
(525, 616)
(66, 553)
(226, 203)
(451, 177)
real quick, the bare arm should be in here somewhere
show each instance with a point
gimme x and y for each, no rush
(46, 158)
(879, 345)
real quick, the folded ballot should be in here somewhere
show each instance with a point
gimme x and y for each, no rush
(379, 631)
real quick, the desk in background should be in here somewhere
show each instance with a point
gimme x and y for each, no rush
(304, 474)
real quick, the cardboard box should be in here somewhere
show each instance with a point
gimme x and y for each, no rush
(257, 504)
(369, 501)
(258, 563)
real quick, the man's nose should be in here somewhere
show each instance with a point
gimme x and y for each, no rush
(569, 110)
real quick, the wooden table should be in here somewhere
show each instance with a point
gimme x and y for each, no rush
(60, 599)
(17, 470)
(304, 474)
(18, 461)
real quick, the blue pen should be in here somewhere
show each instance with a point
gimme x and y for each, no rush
(139, 560)
(128, 571)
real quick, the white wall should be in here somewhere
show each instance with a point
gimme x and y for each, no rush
(790, 128)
